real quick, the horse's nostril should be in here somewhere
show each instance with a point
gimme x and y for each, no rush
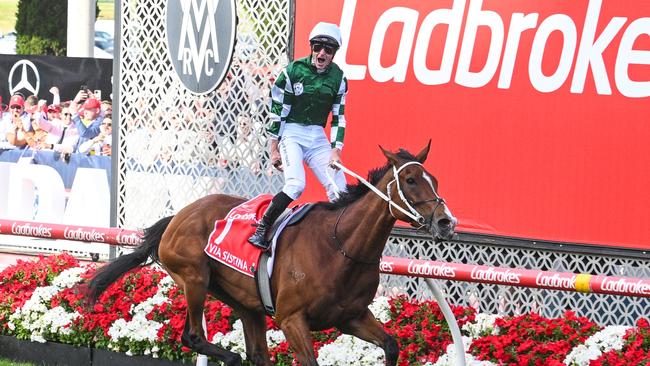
(444, 223)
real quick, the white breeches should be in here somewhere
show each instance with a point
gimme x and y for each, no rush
(309, 144)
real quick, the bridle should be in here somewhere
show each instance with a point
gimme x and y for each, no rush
(411, 213)
(415, 214)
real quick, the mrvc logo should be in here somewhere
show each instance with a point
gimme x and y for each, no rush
(201, 39)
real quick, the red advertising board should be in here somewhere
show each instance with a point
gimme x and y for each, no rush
(538, 110)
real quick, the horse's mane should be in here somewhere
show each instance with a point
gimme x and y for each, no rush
(358, 190)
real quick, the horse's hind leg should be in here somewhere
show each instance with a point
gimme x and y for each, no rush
(255, 335)
(193, 334)
(369, 329)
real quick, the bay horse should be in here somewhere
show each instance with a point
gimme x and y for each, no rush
(326, 269)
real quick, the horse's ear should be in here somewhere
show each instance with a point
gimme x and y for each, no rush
(392, 158)
(422, 155)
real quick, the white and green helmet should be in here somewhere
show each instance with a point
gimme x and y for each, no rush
(327, 33)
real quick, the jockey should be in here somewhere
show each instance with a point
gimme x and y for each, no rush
(303, 96)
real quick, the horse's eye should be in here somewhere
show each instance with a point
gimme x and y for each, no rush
(410, 180)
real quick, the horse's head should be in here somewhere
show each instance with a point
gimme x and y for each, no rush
(416, 191)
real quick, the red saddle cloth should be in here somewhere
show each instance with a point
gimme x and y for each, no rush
(228, 242)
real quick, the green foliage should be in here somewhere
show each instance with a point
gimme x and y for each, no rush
(12, 363)
(42, 27)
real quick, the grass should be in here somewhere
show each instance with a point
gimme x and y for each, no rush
(106, 9)
(8, 14)
(11, 363)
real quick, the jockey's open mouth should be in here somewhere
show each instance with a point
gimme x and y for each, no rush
(321, 61)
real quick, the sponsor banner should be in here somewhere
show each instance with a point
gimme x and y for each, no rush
(625, 286)
(537, 110)
(35, 75)
(113, 236)
(619, 286)
(47, 189)
(67, 169)
(516, 277)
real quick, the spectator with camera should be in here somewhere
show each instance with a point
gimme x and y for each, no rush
(86, 118)
(100, 144)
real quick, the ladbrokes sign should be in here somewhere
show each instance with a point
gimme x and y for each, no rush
(537, 108)
(577, 51)
(201, 38)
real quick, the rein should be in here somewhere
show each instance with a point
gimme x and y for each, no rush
(339, 245)
(413, 214)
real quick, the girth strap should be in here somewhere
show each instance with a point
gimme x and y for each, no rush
(264, 284)
(261, 274)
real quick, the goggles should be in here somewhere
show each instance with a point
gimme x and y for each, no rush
(317, 47)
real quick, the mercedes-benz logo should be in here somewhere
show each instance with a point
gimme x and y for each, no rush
(27, 78)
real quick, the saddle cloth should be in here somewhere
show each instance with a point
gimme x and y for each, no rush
(228, 242)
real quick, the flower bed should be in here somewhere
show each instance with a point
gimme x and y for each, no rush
(144, 312)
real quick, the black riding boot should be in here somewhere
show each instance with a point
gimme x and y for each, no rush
(275, 209)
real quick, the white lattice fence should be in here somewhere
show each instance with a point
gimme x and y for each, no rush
(176, 146)
(499, 299)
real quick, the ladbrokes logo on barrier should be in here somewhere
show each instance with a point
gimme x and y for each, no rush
(201, 39)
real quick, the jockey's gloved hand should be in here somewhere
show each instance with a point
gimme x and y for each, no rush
(335, 158)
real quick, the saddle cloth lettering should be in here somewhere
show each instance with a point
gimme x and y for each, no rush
(228, 242)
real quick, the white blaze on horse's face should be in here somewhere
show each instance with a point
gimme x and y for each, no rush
(441, 224)
(428, 179)
(446, 209)
(439, 221)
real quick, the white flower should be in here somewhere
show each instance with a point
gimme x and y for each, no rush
(57, 320)
(483, 325)
(37, 338)
(274, 338)
(234, 340)
(610, 338)
(380, 308)
(348, 350)
(35, 315)
(449, 358)
(139, 328)
(69, 277)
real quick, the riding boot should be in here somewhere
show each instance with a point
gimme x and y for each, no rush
(275, 209)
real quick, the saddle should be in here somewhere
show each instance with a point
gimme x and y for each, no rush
(261, 274)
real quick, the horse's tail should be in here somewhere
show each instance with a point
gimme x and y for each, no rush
(110, 273)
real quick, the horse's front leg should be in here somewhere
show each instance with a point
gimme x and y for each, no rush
(369, 329)
(296, 331)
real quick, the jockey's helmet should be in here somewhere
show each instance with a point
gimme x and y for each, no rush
(326, 33)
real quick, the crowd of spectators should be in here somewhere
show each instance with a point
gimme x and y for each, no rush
(81, 125)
